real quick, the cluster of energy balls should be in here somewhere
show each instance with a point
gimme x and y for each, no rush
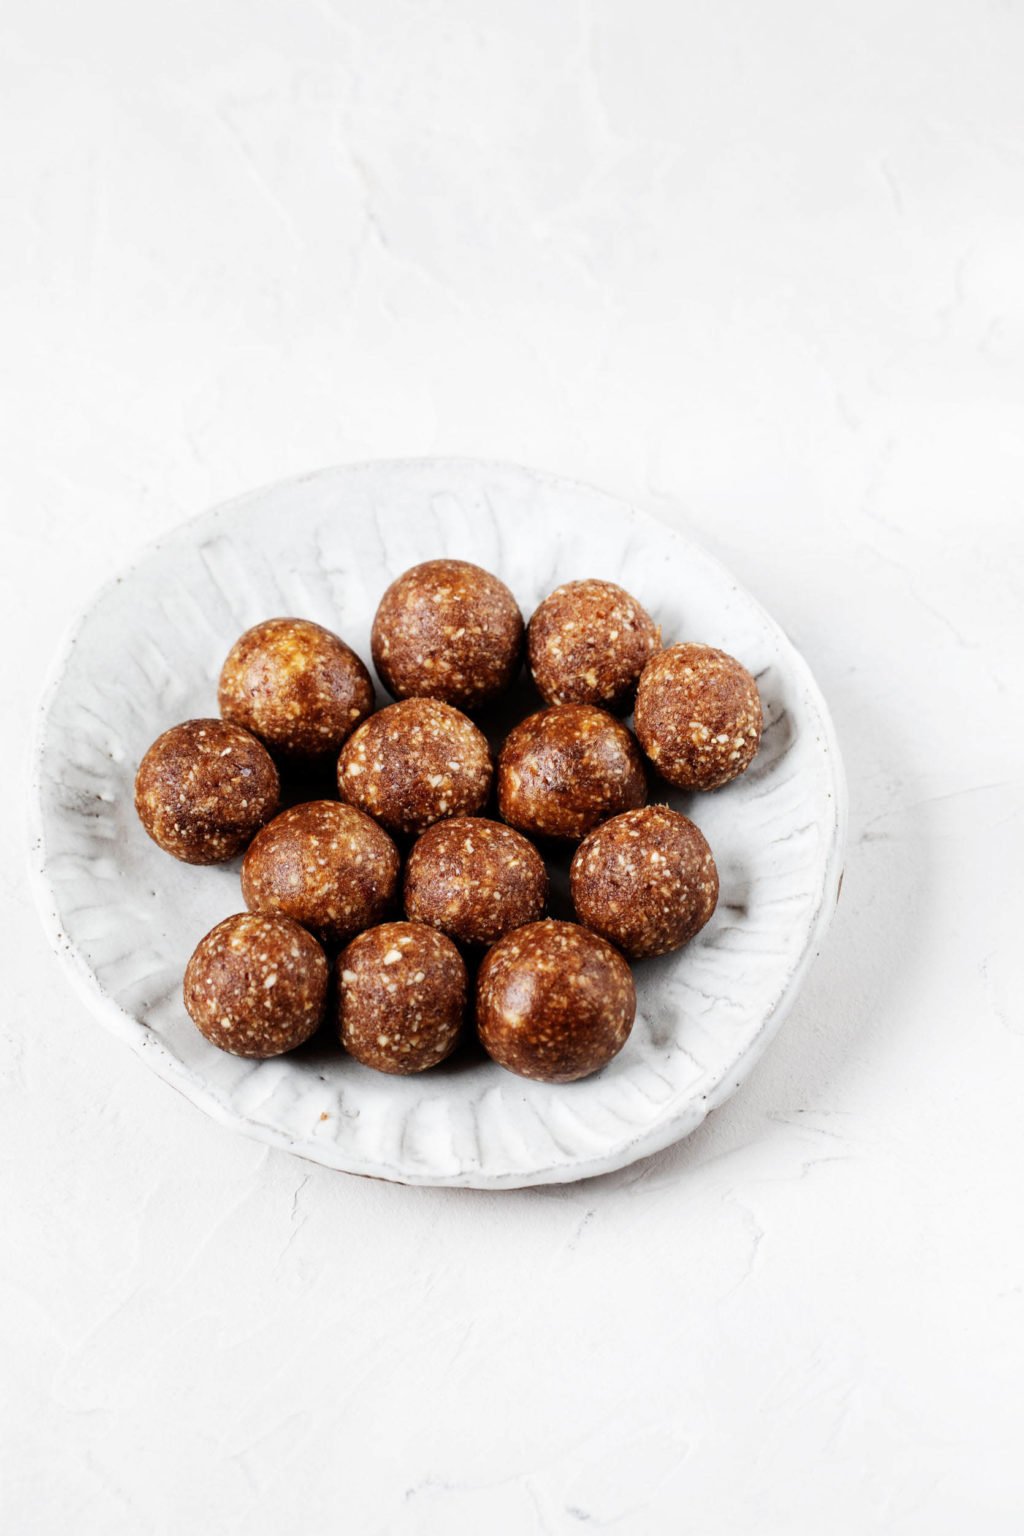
(404, 877)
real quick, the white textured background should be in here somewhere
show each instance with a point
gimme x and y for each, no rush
(758, 268)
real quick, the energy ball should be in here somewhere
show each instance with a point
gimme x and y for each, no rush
(296, 686)
(257, 985)
(645, 880)
(564, 769)
(204, 789)
(326, 865)
(447, 630)
(414, 763)
(554, 1002)
(402, 992)
(698, 716)
(588, 643)
(475, 880)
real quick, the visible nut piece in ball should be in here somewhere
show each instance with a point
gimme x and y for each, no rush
(564, 769)
(402, 992)
(296, 686)
(415, 763)
(475, 880)
(257, 985)
(204, 789)
(447, 630)
(326, 865)
(588, 643)
(645, 880)
(698, 716)
(554, 1002)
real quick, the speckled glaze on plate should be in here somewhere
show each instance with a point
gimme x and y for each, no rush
(125, 917)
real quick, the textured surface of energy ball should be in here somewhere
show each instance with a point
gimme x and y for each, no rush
(447, 630)
(257, 985)
(326, 865)
(204, 789)
(415, 763)
(554, 1002)
(588, 643)
(564, 769)
(402, 992)
(645, 880)
(698, 716)
(475, 880)
(296, 686)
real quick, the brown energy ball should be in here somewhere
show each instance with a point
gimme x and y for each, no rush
(698, 716)
(296, 686)
(326, 865)
(564, 769)
(475, 880)
(203, 789)
(257, 985)
(414, 763)
(447, 630)
(645, 880)
(401, 997)
(554, 1002)
(587, 644)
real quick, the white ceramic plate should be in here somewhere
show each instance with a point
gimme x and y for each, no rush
(125, 917)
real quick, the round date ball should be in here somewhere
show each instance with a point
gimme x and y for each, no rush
(475, 880)
(698, 716)
(326, 865)
(564, 769)
(204, 789)
(415, 763)
(447, 630)
(402, 992)
(588, 643)
(257, 985)
(554, 1002)
(296, 686)
(645, 880)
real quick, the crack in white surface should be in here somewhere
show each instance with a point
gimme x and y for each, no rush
(756, 1234)
(892, 187)
(295, 1221)
(258, 178)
